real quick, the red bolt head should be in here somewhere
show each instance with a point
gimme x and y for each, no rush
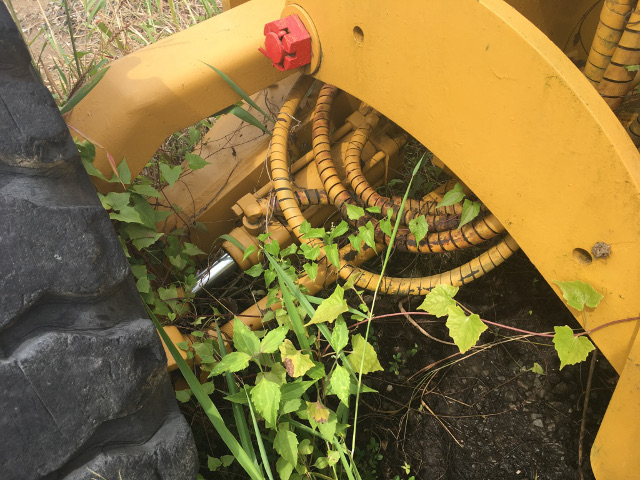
(287, 43)
(274, 48)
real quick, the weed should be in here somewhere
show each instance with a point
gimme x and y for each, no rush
(399, 359)
(368, 459)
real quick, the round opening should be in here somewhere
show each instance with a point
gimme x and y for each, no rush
(581, 256)
(358, 34)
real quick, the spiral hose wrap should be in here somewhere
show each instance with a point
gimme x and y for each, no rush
(441, 221)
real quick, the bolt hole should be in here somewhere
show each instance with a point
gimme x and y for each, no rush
(358, 34)
(581, 256)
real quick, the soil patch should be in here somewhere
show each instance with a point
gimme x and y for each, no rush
(484, 415)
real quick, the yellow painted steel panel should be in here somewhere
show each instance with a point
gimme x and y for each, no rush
(509, 113)
(615, 452)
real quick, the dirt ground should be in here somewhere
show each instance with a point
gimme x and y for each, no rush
(485, 415)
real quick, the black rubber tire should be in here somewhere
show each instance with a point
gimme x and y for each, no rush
(83, 381)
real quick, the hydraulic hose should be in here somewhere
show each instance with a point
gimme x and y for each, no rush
(437, 218)
(456, 277)
(476, 232)
(340, 197)
(617, 80)
(613, 18)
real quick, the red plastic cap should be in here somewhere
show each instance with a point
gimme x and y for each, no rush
(287, 43)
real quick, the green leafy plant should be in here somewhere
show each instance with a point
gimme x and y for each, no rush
(368, 459)
(399, 360)
(150, 252)
(465, 330)
(470, 209)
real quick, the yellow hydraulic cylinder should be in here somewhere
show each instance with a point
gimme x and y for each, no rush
(158, 90)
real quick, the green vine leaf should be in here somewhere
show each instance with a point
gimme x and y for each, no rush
(465, 330)
(255, 271)
(124, 173)
(340, 229)
(195, 162)
(571, 349)
(248, 251)
(284, 469)
(141, 236)
(146, 211)
(286, 444)
(213, 463)
(231, 362)
(170, 174)
(290, 250)
(418, 227)
(578, 294)
(305, 447)
(386, 227)
(115, 200)
(537, 369)
(190, 249)
(311, 269)
(360, 347)
(272, 340)
(339, 335)
(439, 299)
(470, 210)
(127, 214)
(266, 400)
(309, 252)
(296, 363)
(244, 339)
(340, 382)
(331, 252)
(294, 390)
(309, 232)
(366, 234)
(330, 308)
(453, 196)
(146, 190)
(183, 396)
(355, 242)
(354, 212)
(318, 412)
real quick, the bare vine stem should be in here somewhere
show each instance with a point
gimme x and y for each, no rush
(501, 325)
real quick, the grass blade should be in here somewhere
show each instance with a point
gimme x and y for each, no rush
(238, 412)
(263, 451)
(375, 295)
(83, 91)
(296, 321)
(245, 116)
(207, 405)
(240, 92)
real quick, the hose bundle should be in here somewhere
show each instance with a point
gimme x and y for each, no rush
(441, 221)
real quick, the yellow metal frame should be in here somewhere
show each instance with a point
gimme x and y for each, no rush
(152, 93)
(481, 87)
